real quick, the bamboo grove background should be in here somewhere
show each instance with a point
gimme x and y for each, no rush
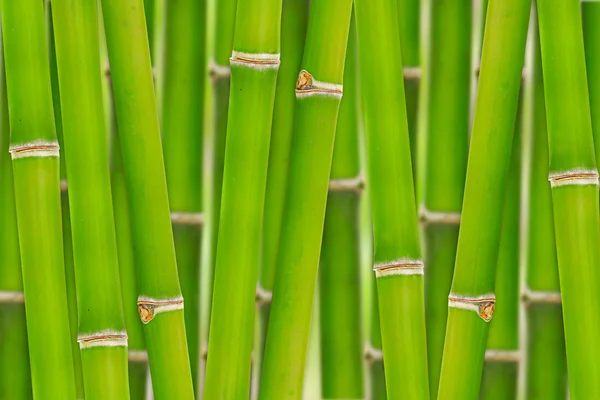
(356, 199)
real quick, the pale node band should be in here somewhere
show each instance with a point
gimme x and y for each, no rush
(257, 61)
(217, 71)
(149, 307)
(428, 217)
(308, 86)
(36, 148)
(105, 338)
(356, 184)
(482, 305)
(11, 297)
(574, 177)
(398, 267)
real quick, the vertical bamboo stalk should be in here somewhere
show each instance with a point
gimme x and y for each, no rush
(34, 151)
(448, 109)
(160, 303)
(341, 339)
(373, 352)
(254, 63)
(102, 336)
(397, 254)
(574, 181)
(471, 302)
(545, 358)
(182, 119)
(590, 11)
(15, 378)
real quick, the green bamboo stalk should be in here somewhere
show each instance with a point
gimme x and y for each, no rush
(102, 336)
(341, 339)
(545, 358)
(502, 357)
(471, 301)
(182, 119)
(34, 150)
(160, 303)
(15, 378)
(448, 109)
(574, 182)
(64, 204)
(318, 96)
(254, 64)
(149, 12)
(373, 353)
(397, 256)
(590, 12)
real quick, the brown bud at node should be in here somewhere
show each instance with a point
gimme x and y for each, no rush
(486, 310)
(305, 80)
(146, 312)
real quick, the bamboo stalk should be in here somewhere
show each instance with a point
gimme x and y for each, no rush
(182, 119)
(34, 151)
(254, 63)
(397, 255)
(448, 110)
(15, 378)
(574, 182)
(339, 283)
(471, 301)
(373, 352)
(160, 303)
(149, 13)
(590, 12)
(545, 358)
(102, 337)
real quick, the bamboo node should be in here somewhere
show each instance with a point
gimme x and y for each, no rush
(263, 296)
(11, 297)
(372, 355)
(529, 296)
(148, 307)
(36, 148)
(104, 338)
(138, 356)
(574, 177)
(356, 184)
(403, 266)
(507, 356)
(428, 217)
(307, 85)
(217, 71)
(187, 218)
(257, 61)
(64, 186)
(483, 305)
(411, 73)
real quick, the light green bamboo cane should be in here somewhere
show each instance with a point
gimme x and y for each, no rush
(591, 31)
(15, 378)
(341, 339)
(397, 255)
(448, 105)
(545, 358)
(34, 151)
(471, 301)
(574, 181)
(254, 63)
(318, 96)
(182, 119)
(160, 303)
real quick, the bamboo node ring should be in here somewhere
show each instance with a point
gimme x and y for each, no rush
(148, 307)
(187, 218)
(104, 338)
(483, 305)
(138, 356)
(574, 177)
(257, 61)
(356, 184)
(529, 296)
(11, 297)
(263, 296)
(507, 356)
(403, 266)
(372, 355)
(217, 71)
(411, 73)
(307, 85)
(428, 217)
(36, 148)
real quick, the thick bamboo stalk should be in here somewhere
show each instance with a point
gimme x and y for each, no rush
(182, 119)
(397, 255)
(160, 303)
(471, 302)
(15, 378)
(574, 180)
(34, 151)
(341, 339)
(318, 96)
(254, 63)
(448, 109)
(102, 336)
(590, 12)
(545, 358)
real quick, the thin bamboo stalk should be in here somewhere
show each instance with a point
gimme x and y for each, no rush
(397, 255)
(15, 378)
(64, 204)
(471, 302)
(545, 358)
(102, 336)
(590, 12)
(373, 352)
(150, 12)
(574, 181)
(318, 96)
(339, 283)
(160, 303)
(254, 63)
(182, 119)
(448, 109)
(34, 151)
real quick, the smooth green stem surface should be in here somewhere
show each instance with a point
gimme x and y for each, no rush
(376, 371)
(590, 12)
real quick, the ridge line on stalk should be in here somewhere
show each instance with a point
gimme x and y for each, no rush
(402, 266)
(307, 86)
(217, 71)
(35, 148)
(574, 177)
(483, 304)
(427, 216)
(149, 307)
(11, 297)
(356, 184)
(257, 61)
(103, 338)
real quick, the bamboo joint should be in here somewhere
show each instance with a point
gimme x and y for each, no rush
(398, 267)
(483, 305)
(257, 61)
(137, 356)
(217, 72)
(356, 184)
(428, 217)
(149, 307)
(506, 356)
(307, 86)
(529, 296)
(36, 148)
(574, 177)
(105, 338)
(11, 297)
(372, 355)
(187, 218)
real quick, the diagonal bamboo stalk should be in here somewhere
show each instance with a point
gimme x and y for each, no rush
(397, 255)
(471, 301)
(34, 153)
(160, 303)
(574, 181)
